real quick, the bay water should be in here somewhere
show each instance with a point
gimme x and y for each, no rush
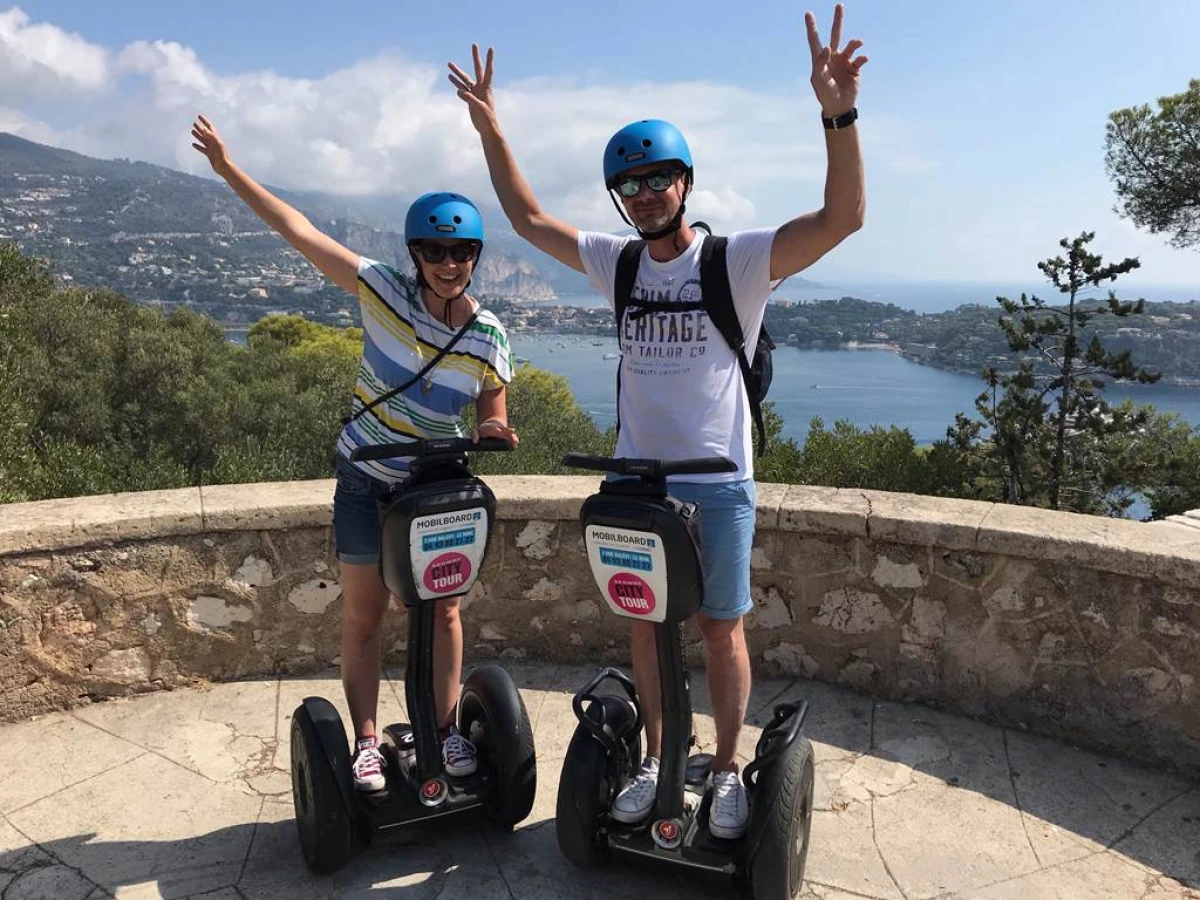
(865, 387)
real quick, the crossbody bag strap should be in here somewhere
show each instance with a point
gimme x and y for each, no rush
(427, 368)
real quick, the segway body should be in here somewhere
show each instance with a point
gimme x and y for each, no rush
(643, 549)
(435, 533)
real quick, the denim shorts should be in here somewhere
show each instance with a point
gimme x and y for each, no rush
(727, 511)
(726, 540)
(356, 514)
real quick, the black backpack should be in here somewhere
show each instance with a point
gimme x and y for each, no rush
(717, 301)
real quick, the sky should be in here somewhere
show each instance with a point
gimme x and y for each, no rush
(982, 123)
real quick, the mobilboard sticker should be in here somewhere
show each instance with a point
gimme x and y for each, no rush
(447, 550)
(630, 569)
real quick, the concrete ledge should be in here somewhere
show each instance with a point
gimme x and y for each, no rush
(257, 507)
(1168, 549)
(80, 521)
(1081, 628)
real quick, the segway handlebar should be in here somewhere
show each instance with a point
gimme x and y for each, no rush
(420, 447)
(650, 468)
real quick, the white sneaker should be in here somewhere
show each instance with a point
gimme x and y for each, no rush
(730, 809)
(637, 798)
(458, 755)
(368, 766)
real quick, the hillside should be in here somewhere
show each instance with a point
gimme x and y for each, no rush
(163, 237)
(1166, 337)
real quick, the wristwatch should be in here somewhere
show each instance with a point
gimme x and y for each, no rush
(842, 121)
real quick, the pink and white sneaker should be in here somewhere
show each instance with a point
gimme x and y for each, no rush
(368, 766)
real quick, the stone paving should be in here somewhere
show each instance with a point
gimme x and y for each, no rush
(187, 794)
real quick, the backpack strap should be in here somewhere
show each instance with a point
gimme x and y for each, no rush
(718, 301)
(627, 272)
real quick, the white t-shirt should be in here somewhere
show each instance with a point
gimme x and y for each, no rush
(681, 387)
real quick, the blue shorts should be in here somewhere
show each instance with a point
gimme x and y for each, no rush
(726, 540)
(727, 511)
(356, 514)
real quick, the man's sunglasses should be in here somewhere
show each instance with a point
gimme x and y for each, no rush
(460, 253)
(658, 181)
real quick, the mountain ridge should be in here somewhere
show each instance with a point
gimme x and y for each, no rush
(169, 238)
(60, 204)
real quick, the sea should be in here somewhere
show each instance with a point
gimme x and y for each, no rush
(865, 387)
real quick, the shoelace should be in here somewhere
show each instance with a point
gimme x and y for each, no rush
(726, 797)
(458, 749)
(644, 783)
(368, 762)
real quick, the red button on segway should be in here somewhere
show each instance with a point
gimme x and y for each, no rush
(668, 833)
(433, 792)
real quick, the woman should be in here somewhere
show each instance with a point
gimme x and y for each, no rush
(406, 322)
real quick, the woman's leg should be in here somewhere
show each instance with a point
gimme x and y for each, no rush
(365, 599)
(447, 659)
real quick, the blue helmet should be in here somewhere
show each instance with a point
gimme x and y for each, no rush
(647, 141)
(440, 214)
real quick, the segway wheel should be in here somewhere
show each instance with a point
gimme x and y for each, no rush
(779, 833)
(324, 822)
(590, 779)
(492, 716)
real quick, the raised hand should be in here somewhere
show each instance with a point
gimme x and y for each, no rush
(210, 144)
(477, 92)
(834, 71)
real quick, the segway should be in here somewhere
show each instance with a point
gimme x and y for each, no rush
(435, 531)
(642, 545)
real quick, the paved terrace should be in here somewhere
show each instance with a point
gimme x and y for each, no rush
(186, 793)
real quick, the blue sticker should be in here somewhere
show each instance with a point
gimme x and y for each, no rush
(459, 538)
(625, 559)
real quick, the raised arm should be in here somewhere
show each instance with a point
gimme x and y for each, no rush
(545, 232)
(805, 239)
(337, 263)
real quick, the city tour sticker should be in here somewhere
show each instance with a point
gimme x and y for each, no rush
(631, 593)
(447, 572)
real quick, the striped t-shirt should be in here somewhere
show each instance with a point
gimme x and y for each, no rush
(399, 338)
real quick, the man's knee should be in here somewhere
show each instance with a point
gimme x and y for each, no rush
(642, 634)
(721, 636)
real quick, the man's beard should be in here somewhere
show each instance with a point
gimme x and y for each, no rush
(655, 222)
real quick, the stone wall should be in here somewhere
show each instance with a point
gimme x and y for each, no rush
(1077, 627)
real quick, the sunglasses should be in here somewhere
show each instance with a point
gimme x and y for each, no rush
(658, 181)
(435, 253)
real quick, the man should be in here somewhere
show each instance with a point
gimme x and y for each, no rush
(682, 393)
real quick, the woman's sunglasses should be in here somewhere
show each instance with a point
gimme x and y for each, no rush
(658, 181)
(460, 253)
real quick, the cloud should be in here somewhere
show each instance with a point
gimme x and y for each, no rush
(16, 122)
(725, 206)
(37, 59)
(392, 125)
(171, 66)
